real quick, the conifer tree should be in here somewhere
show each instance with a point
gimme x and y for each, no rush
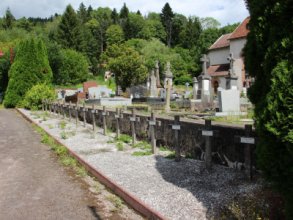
(8, 19)
(167, 16)
(69, 34)
(31, 66)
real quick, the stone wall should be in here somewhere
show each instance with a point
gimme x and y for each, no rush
(192, 143)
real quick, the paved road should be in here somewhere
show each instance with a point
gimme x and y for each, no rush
(32, 184)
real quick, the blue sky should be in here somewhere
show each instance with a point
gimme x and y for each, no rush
(225, 11)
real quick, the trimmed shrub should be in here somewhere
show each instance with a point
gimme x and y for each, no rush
(33, 97)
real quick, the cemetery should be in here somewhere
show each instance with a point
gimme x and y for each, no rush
(131, 150)
(180, 117)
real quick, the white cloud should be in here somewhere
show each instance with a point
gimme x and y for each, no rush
(225, 11)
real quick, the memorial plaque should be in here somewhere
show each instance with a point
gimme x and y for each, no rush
(247, 140)
(152, 123)
(176, 127)
(207, 133)
(132, 118)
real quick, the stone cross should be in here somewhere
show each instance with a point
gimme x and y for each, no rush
(204, 61)
(176, 127)
(231, 61)
(153, 87)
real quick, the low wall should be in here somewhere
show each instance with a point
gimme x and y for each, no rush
(226, 150)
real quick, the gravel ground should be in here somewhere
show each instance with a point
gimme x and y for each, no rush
(178, 190)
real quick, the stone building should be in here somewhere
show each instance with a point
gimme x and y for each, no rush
(227, 47)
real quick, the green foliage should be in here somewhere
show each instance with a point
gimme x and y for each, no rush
(141, 153)
(268, 57)
(30, 67)
(166, 19)
(124, 138)
(4, 68)
(73, 68)
(114, 35)
(34, 97)
(8, 19)
(69, 31)
(127, 65)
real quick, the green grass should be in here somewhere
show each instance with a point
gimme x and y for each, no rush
(141, 153)
(171, 155)
(119, 146)
(116, 201)
(124, 138)
(62, 124)
(63, 135)
(163, 148)
(143, 145)
(1, 106)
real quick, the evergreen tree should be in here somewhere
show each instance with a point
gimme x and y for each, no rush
(31, 66)
(82, 13)
(268, 57)
(191, 32)
(167, 16)
(8, 19)
(124, 12)
(69, 34)
(114, 35)
(114, 16)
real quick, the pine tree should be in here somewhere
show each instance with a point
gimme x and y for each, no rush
(69, 34)
(114, 16)
(8, 19)
(82, 13)
(167, 16)
(31, 66)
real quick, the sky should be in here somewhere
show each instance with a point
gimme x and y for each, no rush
(225, 11)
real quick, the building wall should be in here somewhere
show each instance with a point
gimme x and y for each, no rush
(219, 56)
(236, 47)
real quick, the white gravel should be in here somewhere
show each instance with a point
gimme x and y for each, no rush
(178, 190)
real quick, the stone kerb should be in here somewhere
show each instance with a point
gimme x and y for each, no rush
(224, 148)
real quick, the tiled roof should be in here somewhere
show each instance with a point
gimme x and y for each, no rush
(219, 70)
(221, 42)
(89, 84)
(241, 30)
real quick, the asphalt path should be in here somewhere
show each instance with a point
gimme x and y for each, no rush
(33, 185)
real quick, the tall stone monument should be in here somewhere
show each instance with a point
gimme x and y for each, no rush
(231, 79)
(168, 82)
(195, 88)
(153, 85)
(205, 83)
(157, 74)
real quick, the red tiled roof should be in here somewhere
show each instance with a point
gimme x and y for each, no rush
(221, 42)
(218, 70)
(241, 30)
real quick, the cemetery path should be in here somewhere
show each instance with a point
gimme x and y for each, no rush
(32, 183)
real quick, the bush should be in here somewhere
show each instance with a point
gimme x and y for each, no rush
(30, 67)
(33, 98)
(73, 68)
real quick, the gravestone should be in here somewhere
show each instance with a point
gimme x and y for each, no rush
(157, 74)
(187, 92)
(205, 83)
(229, 101)
(138, 91)
(195, 88)
(168, 86)
(99, 92)
(153, 86)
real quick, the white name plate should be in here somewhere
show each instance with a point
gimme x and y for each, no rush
(132, 118)
(176, 127)
(104, 113)
(207, 133)
(247, 140)
(152, 123)
(116, 116)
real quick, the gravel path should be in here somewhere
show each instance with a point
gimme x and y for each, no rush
(178, 190)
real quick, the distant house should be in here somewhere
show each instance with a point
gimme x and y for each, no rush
(219, 52)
